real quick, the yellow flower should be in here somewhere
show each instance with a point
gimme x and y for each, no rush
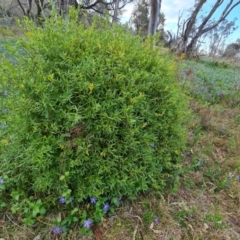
(4, 142)
(91, 86)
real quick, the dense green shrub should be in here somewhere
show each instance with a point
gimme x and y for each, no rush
(89, 113)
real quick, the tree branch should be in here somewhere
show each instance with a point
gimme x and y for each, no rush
(202, 29)
(192, 19)
(20, 5)
(222, 18)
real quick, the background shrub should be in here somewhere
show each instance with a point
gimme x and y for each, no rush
(90, 112)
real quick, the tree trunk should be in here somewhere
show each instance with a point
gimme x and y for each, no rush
(116, 9)
(189, 27)
(155, 6)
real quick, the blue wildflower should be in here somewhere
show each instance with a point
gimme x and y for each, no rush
(156, 220)
(152, 145)
(238, 177)
(57, 230)
(1, 181)
(106, 207)
(62, 200)
(191, 216)
(93, 200)
(87, 223)
(4, 111)
(3, 125)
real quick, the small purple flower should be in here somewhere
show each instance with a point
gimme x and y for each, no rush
(87, 223)
(62, 200)
(57, 230)
(1, 181)
(93, 200)
(106, 207)
(156, 220)
(238, 177)
(152, 145)
(191, 216)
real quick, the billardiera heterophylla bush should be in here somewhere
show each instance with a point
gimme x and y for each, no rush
(91, 112)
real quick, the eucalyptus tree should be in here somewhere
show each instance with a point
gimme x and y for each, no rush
(140, 17)
(217, 37)
(37, 7)
(155, 6)
(197, 24)
(144, 22)
(232, 49)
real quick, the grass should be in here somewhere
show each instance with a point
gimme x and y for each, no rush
(206, 204)
(212, 81)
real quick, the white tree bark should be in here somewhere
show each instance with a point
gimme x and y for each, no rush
(155, 6)
(116, 9)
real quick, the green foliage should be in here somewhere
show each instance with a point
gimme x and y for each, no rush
(90, 113)
(215, 219)
(184, 215)
(148, 217)
(6, 31)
